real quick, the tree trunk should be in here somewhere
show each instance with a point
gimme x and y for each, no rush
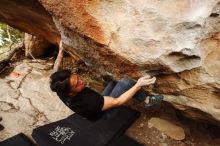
(9, 33)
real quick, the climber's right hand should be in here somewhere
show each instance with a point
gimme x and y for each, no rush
(145, 80)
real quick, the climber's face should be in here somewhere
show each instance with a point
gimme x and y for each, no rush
(76, 84)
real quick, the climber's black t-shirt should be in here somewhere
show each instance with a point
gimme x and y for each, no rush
(86, 103)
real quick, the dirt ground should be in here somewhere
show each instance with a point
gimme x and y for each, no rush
(197, 134)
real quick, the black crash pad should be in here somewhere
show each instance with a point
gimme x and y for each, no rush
(17, 140)
(125, 141)
(77, 131)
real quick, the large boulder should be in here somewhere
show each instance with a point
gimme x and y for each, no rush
(197, 92)
(178, 41)
(142, 36)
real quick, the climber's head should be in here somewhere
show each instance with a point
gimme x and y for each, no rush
(65, 82)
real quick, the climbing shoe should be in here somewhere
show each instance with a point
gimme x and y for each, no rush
(153, 99)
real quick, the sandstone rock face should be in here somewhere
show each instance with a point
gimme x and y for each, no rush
(178, 41)
(197, 92)
(34, 46)
(151, 35)
(194, 92)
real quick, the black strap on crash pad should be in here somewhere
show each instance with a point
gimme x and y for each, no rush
(17, 140)
(77, 131)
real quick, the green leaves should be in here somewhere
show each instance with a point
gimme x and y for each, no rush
(9, 35)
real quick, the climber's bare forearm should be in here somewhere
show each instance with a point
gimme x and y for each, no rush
(110, 102)
(59, 58)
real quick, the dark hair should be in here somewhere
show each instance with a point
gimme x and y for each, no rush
(60, 81)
